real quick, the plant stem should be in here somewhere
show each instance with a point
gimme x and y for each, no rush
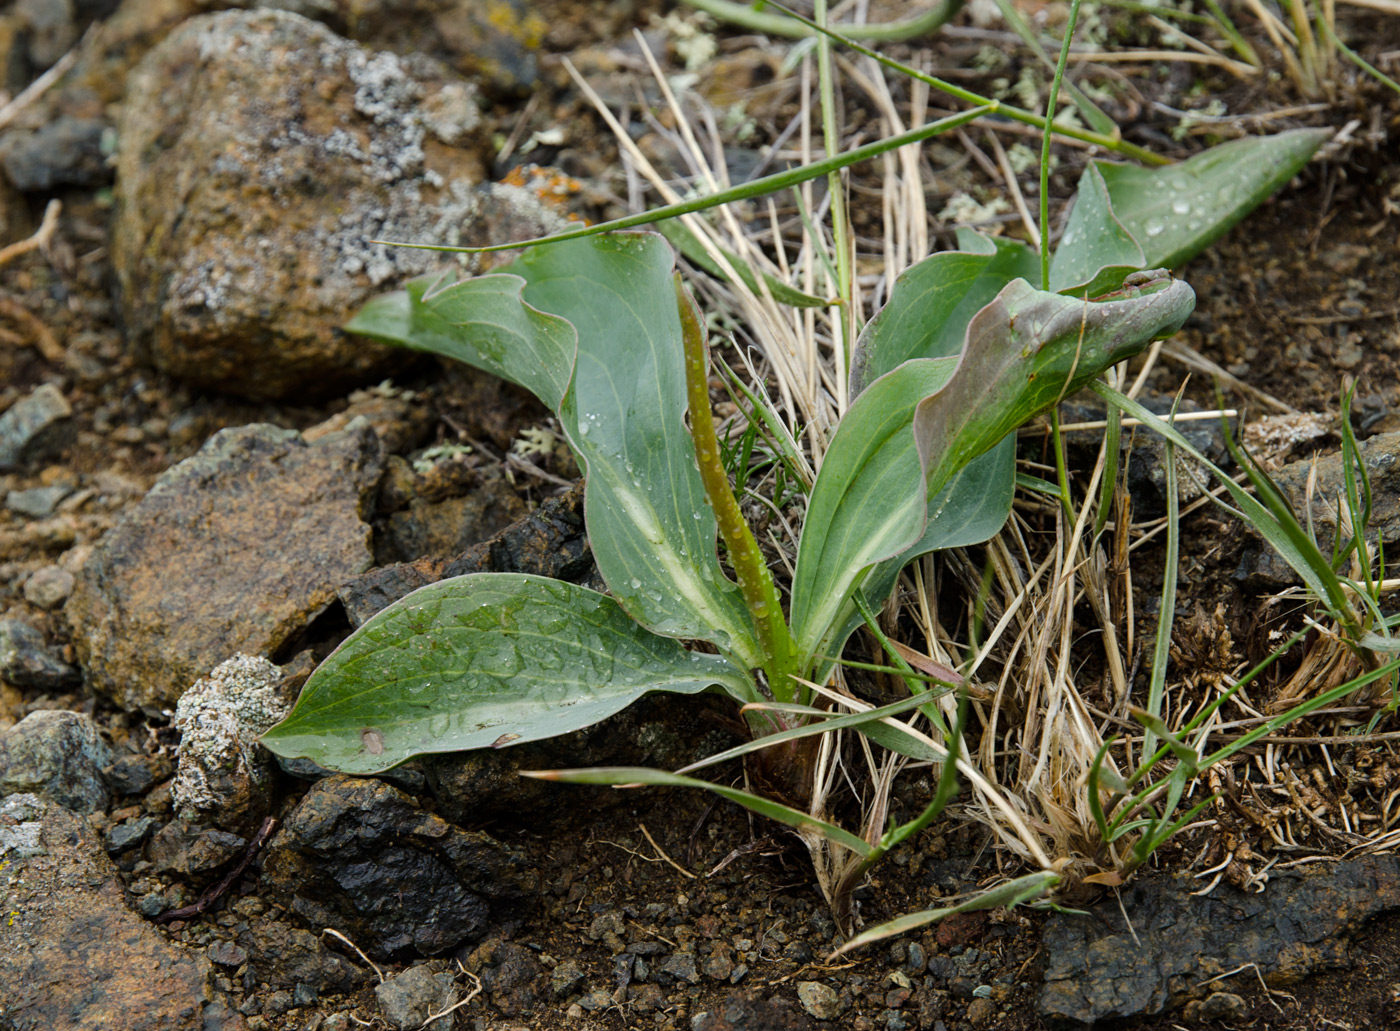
(744, 191)
(1016, 114)
(755, 581)
(1045, 145)
(747, 17)
(840, 228)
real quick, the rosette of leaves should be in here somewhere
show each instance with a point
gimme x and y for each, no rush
(964, 353)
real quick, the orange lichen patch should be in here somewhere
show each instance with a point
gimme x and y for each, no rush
(552, 187)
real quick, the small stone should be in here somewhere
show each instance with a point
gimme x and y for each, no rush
(598, 999)
(182, 849)
(289, 957)
(1224, 1006)
(31, 427)
(227, 954)
(981, 1012)
(278, 1002)
(305, 995)
(408, 999)
(720, 964)
(25, 660)
(134, 774)
(58, 755)
(48, 588)
(679, 966)
(914, 962)
(818, 999)
(65, 152)
(128, 833)
(36, 502)
(566, 979)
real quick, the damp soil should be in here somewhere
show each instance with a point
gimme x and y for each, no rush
(1295, 303)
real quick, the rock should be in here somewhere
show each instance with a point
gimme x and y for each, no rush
(187, 850)
(751, 1011)
(20, 828)
(550, 541)
(134, 774)
(1224, 1006)
(447, 527)
(320, 146)
(408, 999)
(128, 833)
(57, 755)
(659, 731)
(223, 775)
(51, 27)
(48, 588)
(400, 418)
(362, 857)
(284, 957)
(227, 954)
(820, 1000)
(73, 957)
(1097, 969)
(1263, 569)
(234, 550)
(37, 502)
(25, 659)
(566, 979)
(34, 427)
(509, 974)
(679, 966)
(66, 152)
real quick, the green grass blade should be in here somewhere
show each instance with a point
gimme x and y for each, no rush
(621, 776)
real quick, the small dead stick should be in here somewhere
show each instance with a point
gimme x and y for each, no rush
(215, 893)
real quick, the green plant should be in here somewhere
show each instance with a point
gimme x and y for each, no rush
(964, 352)
(1136, 815)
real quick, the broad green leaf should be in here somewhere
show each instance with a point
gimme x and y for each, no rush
(932, 302)
(868, 504)
(481, 660)
(482, 322)
(649, 524)
(590, 327)
(1027, 350)
(629, 775)
(689, 244)
(1096, 252)
(1176, 212)
(1012, 893)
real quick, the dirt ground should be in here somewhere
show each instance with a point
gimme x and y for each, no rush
(1294, 303)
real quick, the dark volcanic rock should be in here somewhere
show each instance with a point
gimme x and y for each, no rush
(1098, 970)
(25, 660)
(259, 156)
(550, 541)
(73, 957)
(362, 857)
(60, 756)
(234, 550)
(752, 1011)
(284, 957)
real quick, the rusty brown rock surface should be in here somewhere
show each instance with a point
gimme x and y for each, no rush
(234, 550)
(72, 956)
(260, 154)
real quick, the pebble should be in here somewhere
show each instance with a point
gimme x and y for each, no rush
(820, 1000)
(58, 755)
(30, 425)
(25, 659)
(128, 833)
(36, 502)
(48, 588)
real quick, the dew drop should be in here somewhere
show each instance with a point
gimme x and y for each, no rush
(1155, 228)
(1181, 207)
(636, 584)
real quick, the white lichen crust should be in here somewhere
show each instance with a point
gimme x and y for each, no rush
(222, 770)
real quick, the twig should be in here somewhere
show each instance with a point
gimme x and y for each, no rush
(457, 1005)
(213, 894)
(40, 239)
(39, 334)
(662, 852)
(347, 941)
(40, 86)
